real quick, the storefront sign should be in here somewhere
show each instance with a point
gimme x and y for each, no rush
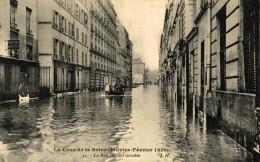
(13, 44)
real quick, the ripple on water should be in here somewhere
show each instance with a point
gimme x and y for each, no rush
(143, 118)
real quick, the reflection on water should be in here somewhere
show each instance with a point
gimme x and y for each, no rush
(48, 130)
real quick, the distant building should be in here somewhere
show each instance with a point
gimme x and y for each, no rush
(138, 72)
(19, 66)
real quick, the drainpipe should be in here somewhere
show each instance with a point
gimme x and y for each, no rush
(207, 59)
(210, 39)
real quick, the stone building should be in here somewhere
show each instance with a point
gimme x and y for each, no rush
(209, 55)
(172, 59)
(138, 71)
(19, 65)
(125, 55)
(63, 27)
(103, 43)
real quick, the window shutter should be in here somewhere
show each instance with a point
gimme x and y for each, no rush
(86, 40)
(69, 30)
(72, 54)
(53, 19)
(72, 30)
(65, 25)
(66, 52)
(60, 22)
(54, 48)
(60, 49)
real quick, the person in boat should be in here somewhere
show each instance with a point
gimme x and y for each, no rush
(23, 90)
(108, 88)
(120, 87)
(114, 86)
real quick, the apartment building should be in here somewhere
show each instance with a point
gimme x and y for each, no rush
(63, 27)
(178, 22)
(19, 66)
(103, 43)
(125, 54)
(209, 55)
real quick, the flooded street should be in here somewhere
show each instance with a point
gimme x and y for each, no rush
(144, 124)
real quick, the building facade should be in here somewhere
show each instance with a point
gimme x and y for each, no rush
(138, 72)
(63, 45)
(209, 56)
(124, 56)
(103, 43)
(178, 22)
(19, 65)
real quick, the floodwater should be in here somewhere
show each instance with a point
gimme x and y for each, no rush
(143, 125)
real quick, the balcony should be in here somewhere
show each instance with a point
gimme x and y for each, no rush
(204, 6)
(13, 27)
(14, 2)
(29, 32)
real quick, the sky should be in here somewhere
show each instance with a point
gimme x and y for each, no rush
(143, 19)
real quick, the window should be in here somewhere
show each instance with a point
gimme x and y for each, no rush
(69, 53)
(55, 19)
(13, 8)
(251, 34)
(82, 16)
(60, 22)
(63, 51)
(77, 34)
(28, 21)
(65, 25)
(83, 60)
(60, 49)
(83, 39)
(72, 54)
(29, 50)
(69, 30)
(86, 59)
(85, 19)
(77, 56)
(62, 29)
(86, 39)
(221, 16)
(55, 48)
(72, 30)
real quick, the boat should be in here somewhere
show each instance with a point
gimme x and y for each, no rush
(119, 90)
(115, 93)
